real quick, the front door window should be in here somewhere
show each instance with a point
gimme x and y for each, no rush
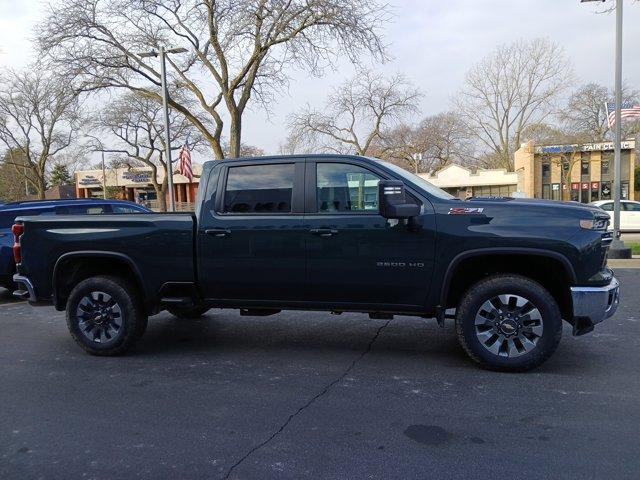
(342, 187)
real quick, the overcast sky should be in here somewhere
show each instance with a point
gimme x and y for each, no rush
(432, 42)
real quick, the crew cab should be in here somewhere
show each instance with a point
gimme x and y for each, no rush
(334, 233)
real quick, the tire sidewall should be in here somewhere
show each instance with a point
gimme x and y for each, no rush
(532, 291)
(131, 314)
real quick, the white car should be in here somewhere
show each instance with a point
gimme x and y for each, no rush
(629, 213)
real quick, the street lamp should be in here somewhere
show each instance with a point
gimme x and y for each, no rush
(618, 249)
(162, 53)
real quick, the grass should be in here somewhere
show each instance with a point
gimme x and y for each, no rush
(635, 248)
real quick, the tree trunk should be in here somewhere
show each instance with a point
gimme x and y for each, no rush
(160, 189)
(41, 187)
(235, 133)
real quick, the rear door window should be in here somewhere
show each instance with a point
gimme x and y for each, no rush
(259, 189)
(607, 206)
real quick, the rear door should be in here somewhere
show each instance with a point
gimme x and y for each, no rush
(354, 255)
(250, 236)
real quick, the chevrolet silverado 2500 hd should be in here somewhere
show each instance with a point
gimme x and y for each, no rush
(334, 233)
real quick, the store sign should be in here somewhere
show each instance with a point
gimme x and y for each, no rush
(585, 185)
(137, 177)
(555, 186)
(595, 185)
(575, 186)
(589, 147)
(89, 180)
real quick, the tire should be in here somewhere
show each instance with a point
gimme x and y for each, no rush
(501, 332)
(188, 312)
(105, 315)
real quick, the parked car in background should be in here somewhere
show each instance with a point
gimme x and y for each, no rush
(9, 212)
(629, 214)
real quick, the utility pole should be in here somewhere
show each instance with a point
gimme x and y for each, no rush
(167, 141)
(618, 249)
(165, 106)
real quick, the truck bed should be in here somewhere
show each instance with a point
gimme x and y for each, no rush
(159, 246)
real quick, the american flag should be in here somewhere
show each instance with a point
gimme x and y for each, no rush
(627, 110)
(184, 163)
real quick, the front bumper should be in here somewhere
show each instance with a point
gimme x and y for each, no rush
(592, 305)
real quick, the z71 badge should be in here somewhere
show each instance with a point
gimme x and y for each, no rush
(465, 211)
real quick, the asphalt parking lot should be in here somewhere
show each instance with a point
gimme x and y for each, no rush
(311, 395)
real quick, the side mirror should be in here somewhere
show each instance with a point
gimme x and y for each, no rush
(393, 201)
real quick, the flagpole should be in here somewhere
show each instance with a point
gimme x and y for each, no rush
(618, 249)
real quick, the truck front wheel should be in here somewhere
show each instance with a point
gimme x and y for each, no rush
(105, 316)
(508, 323)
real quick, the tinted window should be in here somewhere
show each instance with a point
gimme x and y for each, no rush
(631, 207)
(82, 210)
(607, 206)
(125, 209)
(346, 188)
(259, 189)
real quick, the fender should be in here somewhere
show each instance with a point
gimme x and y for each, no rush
(502, 251)
(94, 254)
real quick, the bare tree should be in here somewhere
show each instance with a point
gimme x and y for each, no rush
(236, 49)
(515, 86)
(586, 113)
(355, 114)
(135, 121)
(39, 119)
(436, 142)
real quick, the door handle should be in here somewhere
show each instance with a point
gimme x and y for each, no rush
(324, 232)
(218, 232)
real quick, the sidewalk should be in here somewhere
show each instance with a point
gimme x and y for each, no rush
(624, 263)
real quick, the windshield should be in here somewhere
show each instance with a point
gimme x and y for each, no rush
(419, 181)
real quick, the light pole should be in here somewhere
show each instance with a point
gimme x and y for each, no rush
(162, 53)
(618, 249)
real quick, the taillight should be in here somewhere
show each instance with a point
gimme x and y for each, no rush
(17, 230)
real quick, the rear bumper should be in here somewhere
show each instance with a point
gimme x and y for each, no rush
(592, 305)
(27, 291)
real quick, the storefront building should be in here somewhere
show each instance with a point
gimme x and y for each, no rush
(134, 184)
(464, 183)
(582, 173)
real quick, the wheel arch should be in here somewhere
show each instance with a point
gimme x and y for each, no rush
(73, 267)
(469, 267)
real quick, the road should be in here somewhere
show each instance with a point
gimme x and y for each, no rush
(311, 395)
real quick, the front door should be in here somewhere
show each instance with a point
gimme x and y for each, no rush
(250, 236)
(354, 255)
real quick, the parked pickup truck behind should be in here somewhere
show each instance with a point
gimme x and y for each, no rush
(335, 233)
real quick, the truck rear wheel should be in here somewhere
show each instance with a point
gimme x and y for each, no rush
(104, 315)
(508, 323)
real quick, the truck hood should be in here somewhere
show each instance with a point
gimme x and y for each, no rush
(534, 202)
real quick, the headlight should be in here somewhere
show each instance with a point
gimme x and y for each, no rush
(594, 224)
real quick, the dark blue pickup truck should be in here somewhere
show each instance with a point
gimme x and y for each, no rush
(9, 212)
(334, 233)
